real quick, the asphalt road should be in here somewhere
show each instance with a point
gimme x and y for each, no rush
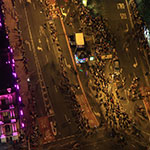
(47, 57)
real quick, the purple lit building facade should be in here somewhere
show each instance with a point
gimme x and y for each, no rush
(11, 113)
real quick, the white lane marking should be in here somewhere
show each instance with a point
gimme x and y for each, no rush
(55, 88)
(123, 15)
(39, 70)
(46, 59)
(47, 41)
(39, 41)
(120, 6)
(136, 63)
(39, 48)
(67, 119)
(132, 25)
(34, 6)
(135, 60)
(127, 28)
(125, 91)
(28, 43)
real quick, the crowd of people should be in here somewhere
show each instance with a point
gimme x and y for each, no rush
(115, 115)
(134, 90)
(70, 98)
(66, 87)
(139, 27)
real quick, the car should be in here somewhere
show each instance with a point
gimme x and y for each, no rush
(116, 65)
(72, 40)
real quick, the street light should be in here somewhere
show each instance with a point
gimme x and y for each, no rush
(84, 2)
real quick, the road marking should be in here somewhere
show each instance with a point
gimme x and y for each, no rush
(75, 68)
(127, 28)
(123, 15)
(47, 41)
(38, 68)
(39, 48)
(136, 63)
(46, 59)
(28, 43)
(120, 6)
(129, 76)
(39, 41)
(135, 60)
(132, 25)
(34, 6)
(55, 88)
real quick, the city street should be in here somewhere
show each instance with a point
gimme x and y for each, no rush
(40, 43)
(94, 105)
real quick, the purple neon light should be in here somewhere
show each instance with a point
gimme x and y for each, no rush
(7, 36)
(21, 112)
(8, 90)
(1, 122)
(22, 124)
(11, 50)
(3, 136)
(14, 74)
(13, 61)
(19, 99)
(13, 120)
(15, 133)
(17, 87)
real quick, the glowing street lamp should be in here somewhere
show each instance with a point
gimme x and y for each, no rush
(84, 2)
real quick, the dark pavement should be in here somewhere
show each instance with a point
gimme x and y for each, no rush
(37, 39)
(48, 59)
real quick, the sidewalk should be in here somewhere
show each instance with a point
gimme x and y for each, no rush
(12, 23)
(15, 39)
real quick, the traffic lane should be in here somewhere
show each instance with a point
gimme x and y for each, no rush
(50, 71)
(36, 35)
(30, 58)
(62, 41)
(40, 59)
(59, 105)
(91, 121)
(132, 53)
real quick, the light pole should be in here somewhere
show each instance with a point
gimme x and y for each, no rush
(84, 2)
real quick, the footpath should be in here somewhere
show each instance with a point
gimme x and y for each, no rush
(16, 43)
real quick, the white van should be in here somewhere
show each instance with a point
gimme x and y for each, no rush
(79, 38)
